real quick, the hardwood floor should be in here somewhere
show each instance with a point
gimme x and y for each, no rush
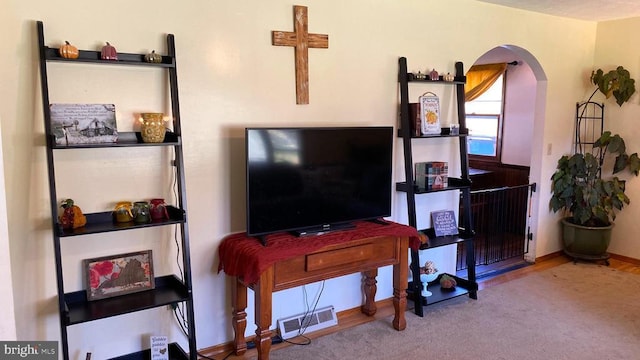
(353, 317)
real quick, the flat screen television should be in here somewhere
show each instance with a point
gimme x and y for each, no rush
(317, 179)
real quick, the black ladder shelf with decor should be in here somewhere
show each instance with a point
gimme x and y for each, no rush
(74, 308)
(463, 185)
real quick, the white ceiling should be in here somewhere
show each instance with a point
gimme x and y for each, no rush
(594, 10)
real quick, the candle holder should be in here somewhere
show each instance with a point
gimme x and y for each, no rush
(152, 129)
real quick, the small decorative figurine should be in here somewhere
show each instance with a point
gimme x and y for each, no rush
(152, 57)
(71, 217)
(449, 77)
(108, 52)
(421, 76)
(447, 282)
(433, 75)
(68, 51)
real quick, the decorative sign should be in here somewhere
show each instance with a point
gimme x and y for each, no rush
(429, 113)
(444, 222)
(301, 40)
(83, 123)
(159, 348)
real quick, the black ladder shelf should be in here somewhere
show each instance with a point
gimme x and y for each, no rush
(463, 185)
(74, 308)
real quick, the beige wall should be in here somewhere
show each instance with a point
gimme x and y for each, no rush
(616, 46)
(231, 77)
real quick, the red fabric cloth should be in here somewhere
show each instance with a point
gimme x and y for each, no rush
(246, 257)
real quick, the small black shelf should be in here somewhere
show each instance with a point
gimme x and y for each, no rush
(104, 222)
(462, 184)
(89, 56)
(73, 307)
(168, 290)
(125, 139)
(454, 184)
(463, 287)
(437, 241)
(410, 77)
(443, 134)
(175, 353)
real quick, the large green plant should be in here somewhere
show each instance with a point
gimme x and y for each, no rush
(579, 189)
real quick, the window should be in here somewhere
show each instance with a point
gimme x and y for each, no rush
(484, 121)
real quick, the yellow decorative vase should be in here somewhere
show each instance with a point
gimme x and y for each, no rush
(152, 129)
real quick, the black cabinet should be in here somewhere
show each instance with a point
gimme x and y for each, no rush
(462, 185)
(172, 290)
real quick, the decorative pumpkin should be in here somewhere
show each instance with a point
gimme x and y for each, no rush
(433, 75)
(108, 52)
(449, 77)
(71, 217)
(447, 282)
(68, 51)
(152, 57)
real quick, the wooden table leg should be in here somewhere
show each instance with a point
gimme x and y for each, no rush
(239, 316)
(263, 302)
(400, 272)
(370, 288)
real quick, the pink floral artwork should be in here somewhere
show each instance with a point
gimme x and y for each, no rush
(119, 274)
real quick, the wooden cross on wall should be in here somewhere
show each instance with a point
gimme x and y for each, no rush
(302, 41)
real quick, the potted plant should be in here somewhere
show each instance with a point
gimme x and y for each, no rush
(587, 197)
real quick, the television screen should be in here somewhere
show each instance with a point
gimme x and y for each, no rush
(309, 180)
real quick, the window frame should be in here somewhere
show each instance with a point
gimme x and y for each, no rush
(498, 157)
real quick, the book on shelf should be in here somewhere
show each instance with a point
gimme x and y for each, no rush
(432, 175)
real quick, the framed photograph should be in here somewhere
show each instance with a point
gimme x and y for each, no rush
(429, 114)
(120, 274)
(83, 123)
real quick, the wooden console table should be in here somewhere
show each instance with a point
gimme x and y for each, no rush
(288, 261)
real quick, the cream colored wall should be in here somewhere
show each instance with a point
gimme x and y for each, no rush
(616, 45)
(231, 77)
(7, 311)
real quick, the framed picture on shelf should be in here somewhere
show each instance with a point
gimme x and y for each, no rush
(120, 274)
(73, 124)
(430, 114)
(432, 175)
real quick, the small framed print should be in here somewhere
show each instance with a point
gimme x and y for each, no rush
(120, 274)
(430, 114)
(74, 124)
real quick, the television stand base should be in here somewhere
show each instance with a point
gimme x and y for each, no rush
(324, 229)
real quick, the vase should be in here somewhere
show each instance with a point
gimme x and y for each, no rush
(425, 279)
(122, 212)
(159, 210)
(141, 212)
(152, 129)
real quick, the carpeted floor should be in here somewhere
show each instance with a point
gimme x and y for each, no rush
(572, 311)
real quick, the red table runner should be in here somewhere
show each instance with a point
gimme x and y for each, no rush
(246, 257)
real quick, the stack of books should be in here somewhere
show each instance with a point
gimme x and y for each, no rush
(432, 175)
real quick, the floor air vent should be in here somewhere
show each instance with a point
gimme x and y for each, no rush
(306, 323)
